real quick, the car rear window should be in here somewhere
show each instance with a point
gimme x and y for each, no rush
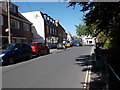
(67, 41)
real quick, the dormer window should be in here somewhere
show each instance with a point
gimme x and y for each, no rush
(13, 8)
(51, 20)
(45, 17)
(48, 18)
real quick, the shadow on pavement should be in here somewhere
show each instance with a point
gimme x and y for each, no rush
(98, 74)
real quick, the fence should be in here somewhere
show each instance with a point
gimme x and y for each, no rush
(112, 67)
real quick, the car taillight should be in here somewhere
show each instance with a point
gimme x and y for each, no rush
(33, 48)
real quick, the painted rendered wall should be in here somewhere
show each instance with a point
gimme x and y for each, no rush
(86, 40)
(38, 25)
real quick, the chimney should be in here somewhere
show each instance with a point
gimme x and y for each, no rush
(57, 22)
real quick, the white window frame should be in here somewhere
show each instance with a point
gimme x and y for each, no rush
(17, 24)
(1, 20)
(26, 27)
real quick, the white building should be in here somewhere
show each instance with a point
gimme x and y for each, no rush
(88, 40)
(38, 25)
(69, 37)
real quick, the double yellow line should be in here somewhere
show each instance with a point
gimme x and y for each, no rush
(88, 73)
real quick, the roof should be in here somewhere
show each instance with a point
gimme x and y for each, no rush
(17, 15)
(22, 17)
(35, 42)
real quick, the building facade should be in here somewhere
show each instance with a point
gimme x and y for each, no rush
(88, 40)
(69, 37)
(20, 26)
(62, 35)
(46, 27)
(51, 29)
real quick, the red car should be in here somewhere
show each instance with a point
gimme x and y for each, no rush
(39, 48)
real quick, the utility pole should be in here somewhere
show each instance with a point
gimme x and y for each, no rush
(9, 31)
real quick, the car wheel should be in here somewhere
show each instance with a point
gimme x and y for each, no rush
(45, 52)
(39, 53)
(48, 51)
(11, 60)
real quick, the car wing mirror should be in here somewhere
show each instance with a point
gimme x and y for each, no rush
(16, 49)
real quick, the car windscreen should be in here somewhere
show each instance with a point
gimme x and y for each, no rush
(6, 47)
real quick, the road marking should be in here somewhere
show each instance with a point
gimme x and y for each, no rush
(86, 79)
(88, 72)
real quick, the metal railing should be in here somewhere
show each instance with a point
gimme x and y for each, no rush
(113, 79)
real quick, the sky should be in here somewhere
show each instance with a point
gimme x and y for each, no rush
(67, 16)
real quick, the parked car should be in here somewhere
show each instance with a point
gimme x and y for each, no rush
(77, 44)
(39, 48)
(61, 46)
(67, 44)
(49, 45)
(55, 45)
(11, 53)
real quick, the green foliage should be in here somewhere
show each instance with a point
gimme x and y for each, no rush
(85, 30)
(106, 17)
(81, 30)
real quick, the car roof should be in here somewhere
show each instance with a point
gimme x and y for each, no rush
(14, 44)
(35, 42)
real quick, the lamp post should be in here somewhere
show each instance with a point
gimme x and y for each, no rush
(9, 31)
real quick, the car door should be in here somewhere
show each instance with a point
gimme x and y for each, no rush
(40, 47)
(25, 50)
(44, 48)
(18, 52)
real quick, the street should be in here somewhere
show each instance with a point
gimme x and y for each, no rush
(55, 70)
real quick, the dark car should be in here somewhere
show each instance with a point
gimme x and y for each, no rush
(61, 46)
(11, 53)
(49, 45)
(39, 48)
(77, 44)
(55, 45)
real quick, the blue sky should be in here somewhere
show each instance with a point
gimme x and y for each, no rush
(68, 17)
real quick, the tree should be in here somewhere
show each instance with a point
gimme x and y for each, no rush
(85, 30)
(106, 17)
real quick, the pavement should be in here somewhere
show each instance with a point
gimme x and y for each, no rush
(98, 75)
(53, 50)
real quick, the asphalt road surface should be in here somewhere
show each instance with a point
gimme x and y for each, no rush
(56, 70)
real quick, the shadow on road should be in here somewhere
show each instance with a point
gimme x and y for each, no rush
(98, 75)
